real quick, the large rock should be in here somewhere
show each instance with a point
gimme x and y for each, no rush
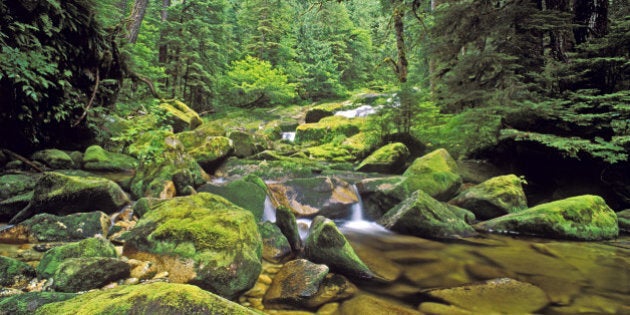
(60, 194)
(201, 239)
(387, 159)
(495, 197)
(243, 144)
(435, 173)
(423, 216)
(249, 193)
(351, 149)
(46, 227)
(497, 296)
(295, 283)
(14, 273)
(585, 217)
(82, 274)
(54, 158)
(181, 117)
(327, 129)
(150, 298)
(99, 159)
(91, 247)
(276, 248)
(28, 303)
(209, 152)
(16, 184)
(326, 245)
(381, 194)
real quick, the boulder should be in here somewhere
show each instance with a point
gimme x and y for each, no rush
(181, 117)
(585, 217)
(207, 150)
(248, 192)
(150, 298)
(497, 296)
(276, 248)
(28, 303)
(327, 129)
(367, 304)
(14, 273)
(286, 222)
(91, 247)
(54, 158)
(243, 144)
(46, 227)
(421, 215)
(387, 159)
(60, 194)
(99, 159)
(201, 239)
(326, 245)
(381, 194)
(295, 283)
(493, 198)
(623, 218)
(82, 274)
(16, 184)
(435, 173)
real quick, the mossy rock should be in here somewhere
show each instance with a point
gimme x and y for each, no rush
(327, 129)
(211, 151)
(361, 144)
(54, 158)
(624, 220)
(12, 206)
(316, 114)
(494, 197)
(249, 193)
(462, 213)
(286, 222)
(14, 272)
(150, 298)
(98, 159)
(243, 144)
(276, 247)
(46, 227)
(325, 244)
(296, 282)
(61, 194)
(90, 247)
(145, 204)
(86, 273)
(381, 194)
(16, 184)
(387, 159)
(28, 303)
(585, 217)
(423, 216)
(329, 152)
(435, 173)
(181, 117)
(217, 242)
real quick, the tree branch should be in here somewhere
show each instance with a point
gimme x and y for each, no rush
(91, 102)
(23, 159)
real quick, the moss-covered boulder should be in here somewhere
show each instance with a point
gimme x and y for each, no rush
(91, 247)
(54, 158)
(209, 152)
(327, 129)
(381, 194)
(351, 149)
(86, 273)
(46, 227)
(243, 144)
(13, 205)
(388, 159)
(286, 222)
(623, 217)
(585, 217)
(150, 298)
(249, 193)
(145, 204)
(14, 273)
(423, 216)
(494, 197)
(181, 117)
(497, 296)
(201, 239)
(276, 247)
(435, 173)
(16, 184)
(98, 159)
(60, 194)
(326, 245)
(28, 303)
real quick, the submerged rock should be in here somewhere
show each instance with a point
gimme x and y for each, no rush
(201, 239)
(387, 159)
(46, 227)
(28, 303)
(423, 216)
(54, 158)
(367, 304)
(91, 247)
(504, 296)
(585, 217)
(14, 273)
(435, 173)
(82, 274)
(276, 247)
(99, 159)
(495, 197)
(150, 298)
(326, 245)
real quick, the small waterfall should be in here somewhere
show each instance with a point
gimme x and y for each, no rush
(357, 208)
(357, 222)
(269, 214)
(288, 136)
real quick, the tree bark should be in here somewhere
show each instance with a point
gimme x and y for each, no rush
(163, 48)
(399, 27)
(591, 17)
(137, 15)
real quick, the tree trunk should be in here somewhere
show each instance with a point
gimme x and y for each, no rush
(591, 17)
(137, 15)
(163, 48)
(560, 39)
(399, 27)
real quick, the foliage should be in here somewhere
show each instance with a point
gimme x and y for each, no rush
(254, 82)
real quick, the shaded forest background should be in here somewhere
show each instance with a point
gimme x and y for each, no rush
(529, 83)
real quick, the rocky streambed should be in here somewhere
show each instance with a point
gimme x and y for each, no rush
(180, 221)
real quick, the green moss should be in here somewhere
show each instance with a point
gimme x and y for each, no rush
(16, 184)
(97, 158)
(27, 303)
(91, 247)
(13, 272)
(87, 273)
(434, 173)
(495, 197)
(54, 158)
(276, 247)
(183, 118)
(327, 129)
(211, 150)
(362, 143)
(153, 298)
(387, 159)
(249, 193)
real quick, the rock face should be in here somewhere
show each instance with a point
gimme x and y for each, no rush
(82, 274)
(14, 273)
(502, 296)
(435, 173)
(585, 217)
(151, 298)
(275, 245)
(91, 247)
(51, 228)
(326, 245)
(28, 303)
(60, 194)
(423, 216)
(387, 159)
(201, 239)
(248, 192)
(495, 197)
(54, 158)
(98, 159)
(181, 117)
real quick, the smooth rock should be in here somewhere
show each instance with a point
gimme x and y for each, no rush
(285, 220)
(387, 159)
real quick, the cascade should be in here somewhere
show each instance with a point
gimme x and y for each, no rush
(288, 136)
(357, 222)
(269, 214)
